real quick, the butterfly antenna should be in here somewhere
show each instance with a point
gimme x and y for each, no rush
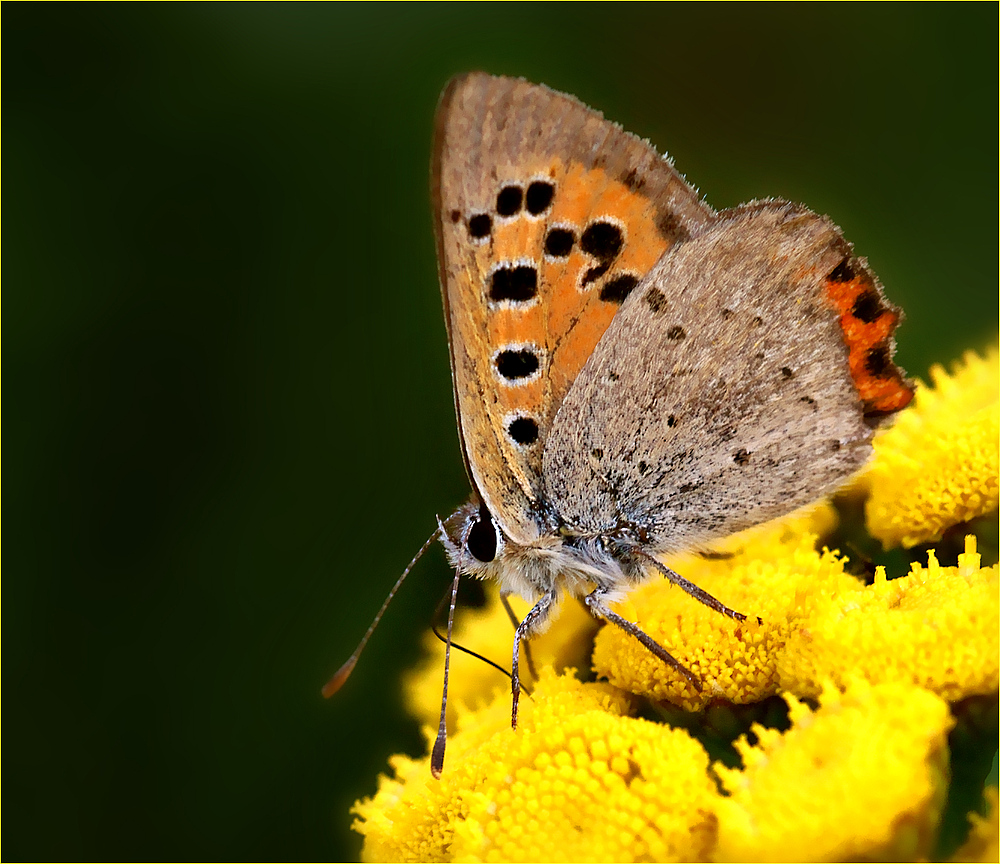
(344, 672)
(437, 753)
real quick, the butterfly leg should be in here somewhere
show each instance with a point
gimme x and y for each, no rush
(699, 594)
(527, 646)
(532, 623)
(598, 607)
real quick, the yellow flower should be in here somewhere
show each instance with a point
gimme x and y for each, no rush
(776, 574)
(937, 465)
(577, 781)
(983, 843)
(938, 627)
(862, 778)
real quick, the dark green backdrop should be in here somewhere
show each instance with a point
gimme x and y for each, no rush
(229, 419)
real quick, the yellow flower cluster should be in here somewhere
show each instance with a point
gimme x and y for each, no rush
(861, 776)
(938, 627)
(578, 781)
(774, 574)
(810, 794)
(582, 781)
(937, 465)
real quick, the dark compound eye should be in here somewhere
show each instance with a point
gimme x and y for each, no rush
(509, 200)
(519, 284)
(523, 430)
(539, 197)
(559, 242)
(480, 226)
(513, 365)
(482, 542)
(602, 240)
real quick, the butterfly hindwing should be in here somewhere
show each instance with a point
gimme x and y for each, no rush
(547, 217)
(722, 394)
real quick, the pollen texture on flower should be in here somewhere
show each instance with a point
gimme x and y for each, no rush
(938, 627)
(577, 781)
(862, 778)
(937, 465)
(775, 574)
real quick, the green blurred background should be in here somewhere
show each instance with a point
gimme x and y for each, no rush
(229, 417)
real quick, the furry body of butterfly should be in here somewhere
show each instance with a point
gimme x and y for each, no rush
(634, 373)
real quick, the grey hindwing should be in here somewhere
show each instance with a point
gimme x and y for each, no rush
(720, 396)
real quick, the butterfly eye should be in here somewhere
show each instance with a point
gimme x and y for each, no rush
(483, 538)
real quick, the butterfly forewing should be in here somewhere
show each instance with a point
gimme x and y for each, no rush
(721, 395)
(547, 217)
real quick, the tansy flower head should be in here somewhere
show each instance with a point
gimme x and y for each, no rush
(578, 781)
(774, 573)
(937, 465)
(862, 778)
(938, 627)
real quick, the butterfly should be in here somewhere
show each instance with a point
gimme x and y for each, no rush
(634, 373)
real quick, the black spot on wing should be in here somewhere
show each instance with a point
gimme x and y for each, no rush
(539, 197)
(509, 201)
(516, 364)
(671, 229)
(867, 307)
(595, 273)
(843, 272)
(480, 226)
(878, 362)
(518, 284)
(523, 430)
(603, 240)
(655, 300)
(559, 242)
(617, 289)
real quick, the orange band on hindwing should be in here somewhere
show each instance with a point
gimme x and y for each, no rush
(867, 322)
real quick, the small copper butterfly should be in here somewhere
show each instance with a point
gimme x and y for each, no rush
(634, 372)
